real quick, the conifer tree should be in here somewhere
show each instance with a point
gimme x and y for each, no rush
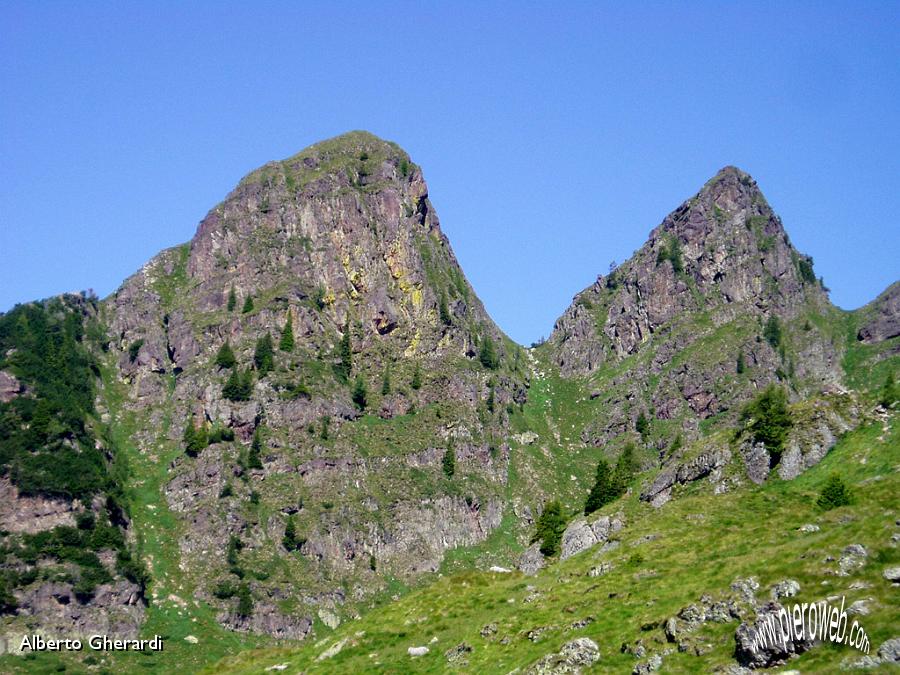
(225, 358)
(603, 491)
(834, 494)
(263, 355)
(443, 310)
(416, 382)
(488, 354)
(345, 351)
(287, 335)
(549, 528)
(232, 299)
(386, 381)
(360, 393)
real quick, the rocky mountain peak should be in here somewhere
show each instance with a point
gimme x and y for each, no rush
(700, 292)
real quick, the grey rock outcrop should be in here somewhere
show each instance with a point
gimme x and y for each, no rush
(751, 653)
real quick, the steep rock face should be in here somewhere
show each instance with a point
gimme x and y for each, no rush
(684, 329)
(883, 322)
(341, 243)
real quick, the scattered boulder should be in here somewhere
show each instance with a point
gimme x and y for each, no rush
(600, 570)
(333, 650)
(498, 570)
(746, 588)
(778, 648)
(651, 665)
(417, 651)
(458, 653)
(892, 574)
(852, 558)
(488, 630)
(889, 651)
(569, 660)
(807, 528)
(785, 589)
(532, 559)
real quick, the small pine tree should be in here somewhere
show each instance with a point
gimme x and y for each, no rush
(231, 389)
(231, 556)
(323, 431)
(360, 393)
(345, 351)
(603, 491)
(254, 461)
(245, 601)
(416, 382)
(263, 355)
(490, 398)
(772, 332)
(195, 439)
(741, 366)
(232, 299)
(770, 420)
(889, 392)
(641, 425)
(287, 336)
(626, 468)
(443, 310)
(834, 494)
(386, 381)
(549, 528)
(225, 357)
(248, 305)
(488, 354)
(448, 462)
(289, 540)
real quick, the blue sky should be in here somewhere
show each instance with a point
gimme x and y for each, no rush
(554, 136)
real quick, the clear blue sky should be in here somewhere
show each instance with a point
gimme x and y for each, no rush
(554, 136)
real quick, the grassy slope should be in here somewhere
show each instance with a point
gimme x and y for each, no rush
(751, 532)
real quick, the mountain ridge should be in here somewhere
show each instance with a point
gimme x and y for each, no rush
(382, 429)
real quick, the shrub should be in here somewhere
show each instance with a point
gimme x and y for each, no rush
(549, 528)
(226, 491)
(416, 382)
(889, 392)
(448, 462)
(769, 420)
(225, 357)
(319, 298)
(325, 424)
(807, 274)
(195, 439)
(671, 251)
(134, 348)
(741, 366)
(834, 494)
(386, 381)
